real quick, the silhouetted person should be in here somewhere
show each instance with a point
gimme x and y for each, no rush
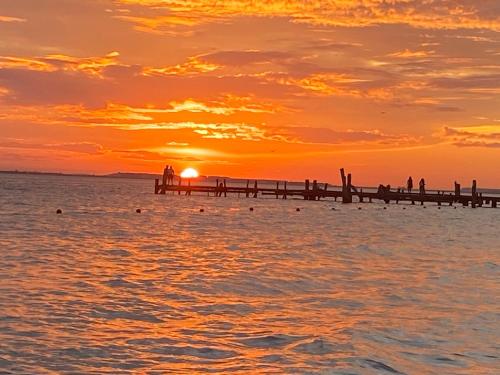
(172, 175)
(421, 186)
(409, 184)
(166, 172)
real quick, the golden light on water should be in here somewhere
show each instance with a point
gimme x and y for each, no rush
(189, 173)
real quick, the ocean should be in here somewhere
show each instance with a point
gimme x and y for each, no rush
(102, 289)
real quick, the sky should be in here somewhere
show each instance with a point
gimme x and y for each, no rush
(269, 89)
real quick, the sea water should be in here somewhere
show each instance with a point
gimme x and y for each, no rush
(101, 289)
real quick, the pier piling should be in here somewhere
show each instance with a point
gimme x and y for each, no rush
(474, 194)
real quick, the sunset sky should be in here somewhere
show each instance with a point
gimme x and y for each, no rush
(271, 89)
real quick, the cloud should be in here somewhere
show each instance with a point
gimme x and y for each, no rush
(330, 46)
(74, 147)
(51, 63)
(484, 81)
(406, 54)
(238, 58)
(477, 144)
(324, 83)
(11, 19)
(444, 14)
(230, 106)
(10, 62)
(192, 66)
(241, 131)
(483, 131)
(141, 155)
(331, 136)
(473, 136)
(175, 25)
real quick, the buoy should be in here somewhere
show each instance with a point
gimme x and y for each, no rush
(297, 209)
(138, 211)
(333, 208)
(359, 208)
(385, 208)
(59, 211)
(202, 210)
(404, 208)
(439, 208)
(251, 208)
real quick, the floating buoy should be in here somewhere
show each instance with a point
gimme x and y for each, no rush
(59, 211)
(333, 208)
(385, 208)
(251, 208)
(404, 208)
(359, 208)
(439, 208)
(202, 210)
(297, 209)
(138, 211)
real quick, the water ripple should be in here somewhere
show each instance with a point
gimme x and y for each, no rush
(101, 289)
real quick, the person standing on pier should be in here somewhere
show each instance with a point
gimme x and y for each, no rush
(166, 172)
(421, 185)
(171, 175)
(409, 184)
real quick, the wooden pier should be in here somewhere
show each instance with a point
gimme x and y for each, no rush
(315, 191)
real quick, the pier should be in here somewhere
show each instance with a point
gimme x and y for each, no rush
(347, 193)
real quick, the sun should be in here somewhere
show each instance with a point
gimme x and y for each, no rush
(189, 173)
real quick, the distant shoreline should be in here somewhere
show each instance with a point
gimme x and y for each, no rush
(112, 175)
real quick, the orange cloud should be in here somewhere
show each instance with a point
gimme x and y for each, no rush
(241, 131)
(52, 63)
(324, 83)
(473, 136)
(11, 19)
(76, 147)
(411, 54)
(218, 108)
(445, 14)
(10, 62)
(193, 66)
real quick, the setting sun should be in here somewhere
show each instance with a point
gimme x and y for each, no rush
(189, 173)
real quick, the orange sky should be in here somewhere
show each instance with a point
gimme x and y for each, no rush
(271, 89)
